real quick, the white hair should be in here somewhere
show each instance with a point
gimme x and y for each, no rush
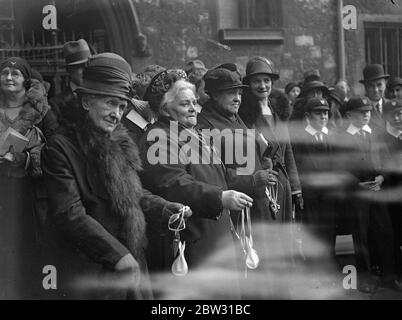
(170, 96)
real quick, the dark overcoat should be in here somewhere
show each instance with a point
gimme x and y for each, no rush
(95, 215)
(20, 265)
(318, 177)
(197, 185)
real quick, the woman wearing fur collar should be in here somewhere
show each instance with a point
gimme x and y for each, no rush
(24, 112)
(97, 204)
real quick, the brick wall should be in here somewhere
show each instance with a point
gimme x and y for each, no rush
(179, 30)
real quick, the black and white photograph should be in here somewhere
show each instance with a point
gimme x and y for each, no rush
(200, 151)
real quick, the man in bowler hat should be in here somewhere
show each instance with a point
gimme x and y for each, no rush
(375, 83)
(76, 54)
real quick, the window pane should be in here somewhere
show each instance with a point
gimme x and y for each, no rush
(390, 48)
(400, 52)
(265, 13)
(373, 45)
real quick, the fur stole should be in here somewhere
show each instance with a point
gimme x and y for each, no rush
(250, 109)
(115, 160)
(34, 109)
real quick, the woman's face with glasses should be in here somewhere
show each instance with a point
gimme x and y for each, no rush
(12, 80)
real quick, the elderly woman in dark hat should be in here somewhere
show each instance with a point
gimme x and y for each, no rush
(197, 177)
(98, 208)
(25, 120)
(259, 111)
(220, 115)
(224, 86)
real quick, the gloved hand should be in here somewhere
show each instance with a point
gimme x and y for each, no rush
(16, 159)
(173, 208)
(263, 178)
(298, 201)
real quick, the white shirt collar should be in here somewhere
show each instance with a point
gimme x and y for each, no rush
(352, 129)
(313, 131)
(392, 130)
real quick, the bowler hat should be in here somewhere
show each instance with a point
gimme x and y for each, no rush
(395, 82)
(373, 72)
(316, 104)
(107, 74)
(337, 94)
(358, 103)
(260, 65)
(392, 105)
(76, 52)
(221, 79)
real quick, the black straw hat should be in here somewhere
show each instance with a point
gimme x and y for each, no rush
(260, 65)
(221, 79)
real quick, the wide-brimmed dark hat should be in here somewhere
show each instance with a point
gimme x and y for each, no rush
(314, 104)
(337, 94)
(392, 105)
(358, 103)
(393, 82)
(160, 84)
(221, 79)
(315, 84)
(373, 72)
(76, 52)
(18, 63)
(107, 74)
(260, 65)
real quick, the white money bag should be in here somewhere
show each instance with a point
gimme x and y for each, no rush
(252, 259)
(179, 266)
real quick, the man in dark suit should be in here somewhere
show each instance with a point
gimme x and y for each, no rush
(65, 104)
(375, 83)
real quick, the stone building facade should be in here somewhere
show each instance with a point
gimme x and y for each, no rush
(297, 35)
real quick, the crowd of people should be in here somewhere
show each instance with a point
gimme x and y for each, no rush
(86, 186)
